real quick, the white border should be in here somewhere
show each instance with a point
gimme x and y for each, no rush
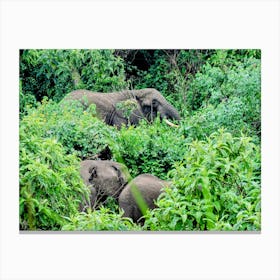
(146, 24)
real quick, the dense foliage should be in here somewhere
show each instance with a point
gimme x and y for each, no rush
(103, 219)
(148, 148)
(50, 186)
(53, 73)
(212, 158)
(215, 186)
(79, 131)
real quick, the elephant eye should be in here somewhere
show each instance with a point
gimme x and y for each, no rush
(154, 103)
(146, 110)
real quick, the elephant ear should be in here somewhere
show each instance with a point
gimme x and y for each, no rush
(93, 174)
(123, 174)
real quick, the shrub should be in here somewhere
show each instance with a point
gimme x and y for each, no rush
(26, 101)
(226, 97)
(229, 115)
(79, 131)
(50, 185)
(54, 73)
(103, 219)
(216, 83)
(215, 187)
(148, 148)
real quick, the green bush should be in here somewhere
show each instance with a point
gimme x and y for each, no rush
(148, 148)
(219, 96)
(79, 131)
(229, 57)
(26, 101)
(54, 73)
(215, 187)
(229, 115)
(103, 219)
(50, 185)
(217, 83)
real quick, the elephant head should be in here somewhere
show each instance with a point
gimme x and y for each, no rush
(127, 107)
(143, 189)
(104, 178)
(152, 103)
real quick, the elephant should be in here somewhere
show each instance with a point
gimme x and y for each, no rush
(149, 187)
(104, 178)
(127, 107)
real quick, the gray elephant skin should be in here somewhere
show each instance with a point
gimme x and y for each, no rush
(149, 186)
(127, 107)
(104, 178)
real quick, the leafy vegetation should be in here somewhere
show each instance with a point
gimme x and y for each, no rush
(54, 73)
(212, 159)
(50, 185)
(148, 149)
(79, 131)
(216, 186)
(103, 219)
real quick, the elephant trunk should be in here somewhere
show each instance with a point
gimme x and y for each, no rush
(169, 113)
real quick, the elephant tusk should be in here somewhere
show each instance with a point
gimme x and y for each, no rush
(170, 123)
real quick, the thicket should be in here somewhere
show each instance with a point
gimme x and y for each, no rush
(54, 73)
(215, 187)
(50, 186)
(215, 175)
